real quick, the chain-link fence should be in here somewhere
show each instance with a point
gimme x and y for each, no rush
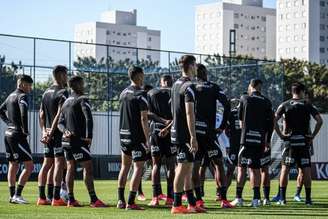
(104, 68)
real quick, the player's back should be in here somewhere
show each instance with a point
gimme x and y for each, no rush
(297, 116)
(182, 92)
(13, 111)
(51, 99)
(74, 116)
(130, 114)
(159, 102)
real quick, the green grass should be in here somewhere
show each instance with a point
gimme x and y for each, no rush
(107, 191)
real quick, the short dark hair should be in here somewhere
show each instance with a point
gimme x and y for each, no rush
(134, 71)
(168, 79)
(201, 72)
(147, 87)
(185, 61)
(297, 88)
(59, 69)
(74, 82)
(25, 79)
(255, 82)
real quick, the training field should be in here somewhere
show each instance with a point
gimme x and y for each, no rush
(107, 192)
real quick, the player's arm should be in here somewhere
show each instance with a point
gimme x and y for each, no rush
(280, 111)
(144, 110)
(241, 112)
(86, 109)
(157, 118)
(42, 123)
(270, 126)
(226, 106)
(23, 107)
(3, 116)
(191, 118)
(317, 117)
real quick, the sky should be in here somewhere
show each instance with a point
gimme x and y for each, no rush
(56, 18)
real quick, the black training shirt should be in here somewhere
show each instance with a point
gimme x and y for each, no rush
(16, 107)
(183, 91)
(132, 102)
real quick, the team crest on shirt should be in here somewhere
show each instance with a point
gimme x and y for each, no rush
(243, 161)
(15, 155)
(249, 161)
(173, 149)
(181, 156)
(7, 155)
(232, 157)
(58, 150)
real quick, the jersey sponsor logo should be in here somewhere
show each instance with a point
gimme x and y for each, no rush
(213, 153)
(243, 161)
(265, 160)
(136, 154)
(7, 155)
(78, 156)
(155, 149)
(305, 161)
(289, 160)
(46, 150)
(123, 148)
(58, 150)
(124, 140)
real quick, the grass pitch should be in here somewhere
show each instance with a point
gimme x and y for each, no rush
(106, 190)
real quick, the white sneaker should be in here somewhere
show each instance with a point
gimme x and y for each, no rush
(238, 202)
(64, 194)
(297, 198)
(18, 200)
(255, 203)
(281, 202)
(266, 202)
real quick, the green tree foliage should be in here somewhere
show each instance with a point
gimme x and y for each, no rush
(313, 75)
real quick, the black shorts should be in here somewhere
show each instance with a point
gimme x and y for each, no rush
(137, 152)
(54, 148)
(183, 153)
(207, 148)
(161, 147)
(17, 147)
(299, 156)
(250, 156)
(78, 154)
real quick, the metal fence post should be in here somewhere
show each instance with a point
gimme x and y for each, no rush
(70, 57)
(33, 99)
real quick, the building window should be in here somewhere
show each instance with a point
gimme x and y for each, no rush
(296, 26)
(118, 34)
(124, 34)
(149, 39)
(304, 37)
(253, 38)
(107, 32)
(304, 14)
(295, 38)
(296, 3)
(281, 17)
(236, 15)
(118, 43)
(129, 34)
(281, 28)
(263, 18)
(322, 26)
(296, 49)
(322, 3)
(288, 16)
(303, 49)
(289, 4)
(236, 26)
(322, 50)
(303, 2)
(304, 25)
(252, 17)
(322, 38)
(288, 27)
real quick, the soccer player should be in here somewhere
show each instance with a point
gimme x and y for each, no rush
(183, 135)
(134, 136)
(234, 133)
(208, 96)
(76, 124)
(51, 105)
(256, 118)
(14, 112)
(297, 113)
(161, 146)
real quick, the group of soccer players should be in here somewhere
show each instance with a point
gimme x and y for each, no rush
(181, 124)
